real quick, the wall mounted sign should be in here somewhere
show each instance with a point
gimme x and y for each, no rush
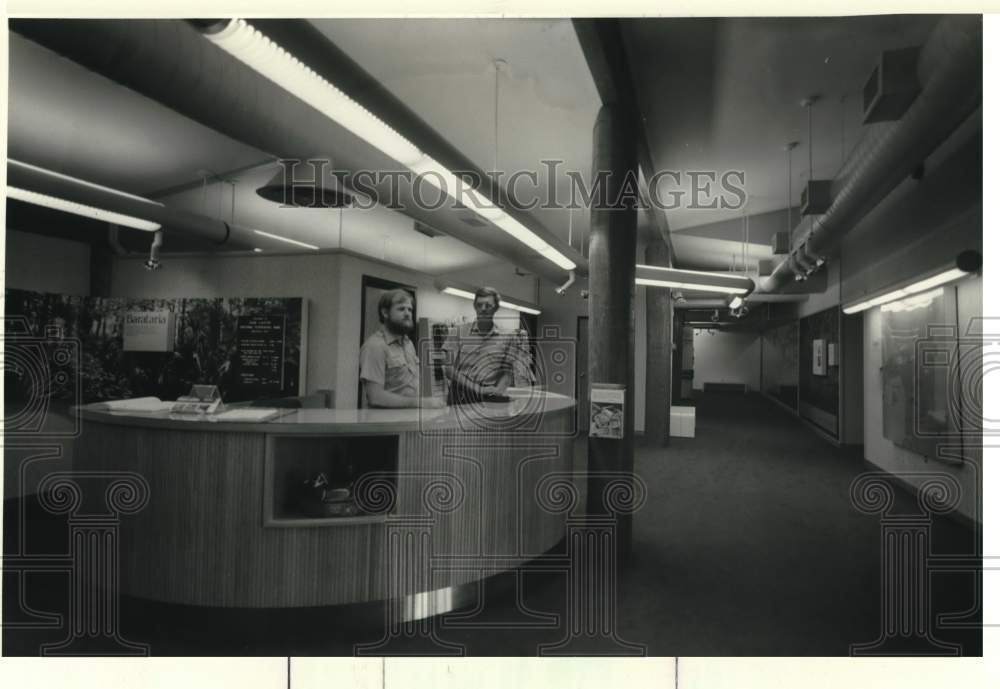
(607, 410)
(148, 331)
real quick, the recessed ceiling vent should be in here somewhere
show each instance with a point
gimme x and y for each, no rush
(426, 230)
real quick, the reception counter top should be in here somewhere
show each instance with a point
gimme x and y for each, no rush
(471, 418)
(442, 495)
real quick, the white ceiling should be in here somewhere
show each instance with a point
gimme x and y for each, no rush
(66, 118)
(716, 95)
(542, 105)
(724, 94)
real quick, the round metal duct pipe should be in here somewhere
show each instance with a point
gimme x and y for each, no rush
(950, 72)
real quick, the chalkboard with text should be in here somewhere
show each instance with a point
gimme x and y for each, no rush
(261, 346)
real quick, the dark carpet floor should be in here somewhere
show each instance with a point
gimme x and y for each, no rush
(747, 545)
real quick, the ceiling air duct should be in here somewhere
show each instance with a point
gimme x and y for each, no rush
(950, 72)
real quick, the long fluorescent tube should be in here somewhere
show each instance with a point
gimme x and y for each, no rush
(81, 209)
(260, 53)
(518, 307)
(286, 239)
(456, 292)
(466, 294)
(922, 285)
(702, 273)
(82, 182)
(717, 289)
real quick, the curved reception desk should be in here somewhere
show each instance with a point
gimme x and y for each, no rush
(212, 511)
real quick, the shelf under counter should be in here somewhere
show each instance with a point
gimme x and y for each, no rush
(291, 460)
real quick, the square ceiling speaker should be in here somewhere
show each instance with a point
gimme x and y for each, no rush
(779, 243)
(892, 86)
(816, 196)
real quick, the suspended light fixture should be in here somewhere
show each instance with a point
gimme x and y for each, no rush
(251, 47)
(80, 209)
(457, 289)
(39, 177)
(965, 264)
(693, 280)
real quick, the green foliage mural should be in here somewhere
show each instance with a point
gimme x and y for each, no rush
(206, 347)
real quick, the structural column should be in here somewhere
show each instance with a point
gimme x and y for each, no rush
(611, 355)
(659, 350)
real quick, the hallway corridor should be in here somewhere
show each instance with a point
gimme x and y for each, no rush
(749, 543)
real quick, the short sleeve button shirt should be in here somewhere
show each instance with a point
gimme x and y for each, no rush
(485, 358)
(391, 361)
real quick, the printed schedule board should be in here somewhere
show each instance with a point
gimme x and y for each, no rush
(261, 351)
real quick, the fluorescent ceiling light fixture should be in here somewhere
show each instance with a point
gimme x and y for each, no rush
(471, 295)
(257, 250)
(286, 239)
(702, 273)
(922, 285)
(914, 301)
(736, 303)
(716, 289)
(86, 211)
(456, 292)
(694, 280)
(261, 54)
(521, 233)
(518, 307)
(483, 207)
(82, 182)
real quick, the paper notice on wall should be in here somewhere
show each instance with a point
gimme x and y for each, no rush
(607, 410)
(819, 358)
(148, 331)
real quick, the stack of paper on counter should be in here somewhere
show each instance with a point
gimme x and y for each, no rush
(136, 405)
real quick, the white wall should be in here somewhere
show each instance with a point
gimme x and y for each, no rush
(726, 357)
(562, 312)
(881, 451)
(431, 304)
(46, 264)
(331, 282)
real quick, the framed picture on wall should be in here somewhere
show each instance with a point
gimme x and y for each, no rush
(372, 289)
(819, 357)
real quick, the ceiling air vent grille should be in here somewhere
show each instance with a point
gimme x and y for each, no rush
(426, 230)
(892, 86)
